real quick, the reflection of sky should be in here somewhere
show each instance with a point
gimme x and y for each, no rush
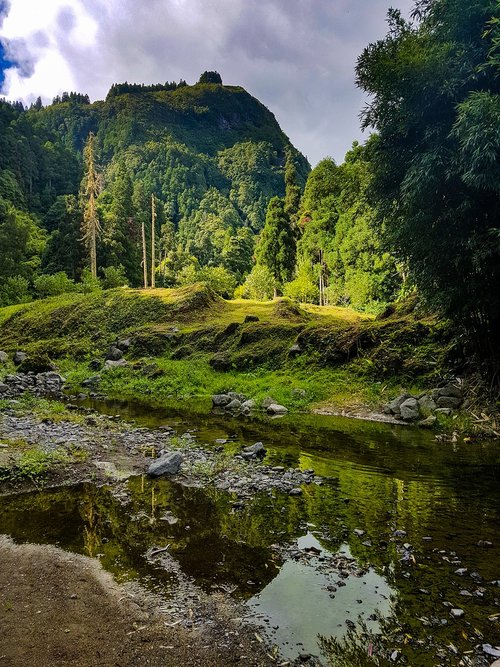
(298, 607)
(3, 64)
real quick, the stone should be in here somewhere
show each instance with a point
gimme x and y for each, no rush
(485, 544)
(257, 449)
(295, 350)
(220, 400)
(168, 464)
(4, 388)
(95, 364)
(92, 381)
(457, 613)
(4, 357)
(395, 405)
(409, 409)
(494, 652)
(426, 403)
(109, 364)
(124, 344)
(114, 354)
(461, 571)
(448, 402)
(276, 409)
(251, 318)
(233, 395)
(295, 492)
(428, 422)
(267, 402)
(450, 390)
(19, 357)
(358, 532)
(249, 405)
(444, 411)
(235, 404)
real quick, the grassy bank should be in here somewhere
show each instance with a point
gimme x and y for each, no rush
(188, 342)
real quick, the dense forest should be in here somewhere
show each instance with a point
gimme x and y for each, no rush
(170, 184)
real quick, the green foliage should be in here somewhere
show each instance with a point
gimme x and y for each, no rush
(219, 279)
(302, 288)
(53, 285)
(89, 283)
(276, 247)
(434, 94)
(259, 284)
(14, 289)
(33, 465)
(210, 77)
(114, 276)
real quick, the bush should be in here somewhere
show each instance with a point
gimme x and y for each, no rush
(302, 289)
(114, 276)
(53, 285)
(259, 284)
(14, 290)
(219, 279)
(88, 283)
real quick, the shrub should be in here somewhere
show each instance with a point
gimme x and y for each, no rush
(88, 283)
(259, 284)
(114, 276)
(53, 285)
(14, 290)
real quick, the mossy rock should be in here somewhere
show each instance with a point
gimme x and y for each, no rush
(221, 362)
(36, 364)
(182, 352)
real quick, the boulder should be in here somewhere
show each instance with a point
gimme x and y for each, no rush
(428, 422)
(95, 364)
(221, 400)
(4, 357)
(114, 353)
(395, 405)
(257, 449)
(276, 409)
(124, 344)
(450, 390)
(249, 405)
(444, 411)
(4, 388)
(267, 402)
(251, 318)
(295, 350)
(234, 396)
(409, 409)
(91, 381)
(235, 404)
(426, 403)
(449, 402)
(109, 363)
(168, 464)
(19, 357)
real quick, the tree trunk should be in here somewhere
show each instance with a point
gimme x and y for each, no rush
(144, 257)
(153, 241)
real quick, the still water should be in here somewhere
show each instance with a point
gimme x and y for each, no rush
(409, 511)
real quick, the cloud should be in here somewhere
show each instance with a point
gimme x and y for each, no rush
(296, 56)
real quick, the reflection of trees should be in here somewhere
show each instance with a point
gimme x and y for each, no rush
(89, 511)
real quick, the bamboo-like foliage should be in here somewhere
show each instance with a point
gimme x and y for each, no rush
(91, 186)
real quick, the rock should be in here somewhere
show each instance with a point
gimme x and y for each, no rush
(95, 364)
(428, 422)
(267, 402)
(221, 361)
(485, 544)
(295, 492)
(251, 318)
(358, 532)
(451, 391)
(235, 404)
(444, 411)
(124, 344)
(457, 613)
(298, 392)
(399, 533)
(249, 405)
(295, 350)
(409, 409)
(448, 402)
(4, 357)
(92, 381)
(257, 449)
(109, 364)
(426, 403)
(276, 409)
(461, 571)
(494, 652)
(168, 464)
(395, 405)
(19, 357)
(233, 395)
(220, 400)
(114, 354)
(4, 388)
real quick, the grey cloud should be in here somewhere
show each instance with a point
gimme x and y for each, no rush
(296, 56)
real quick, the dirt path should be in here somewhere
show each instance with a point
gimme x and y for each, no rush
(59, 609)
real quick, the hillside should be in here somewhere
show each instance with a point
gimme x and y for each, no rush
(211, 155)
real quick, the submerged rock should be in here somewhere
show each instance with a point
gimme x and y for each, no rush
(168, 464)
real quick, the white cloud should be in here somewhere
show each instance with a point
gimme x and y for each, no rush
(296, 56)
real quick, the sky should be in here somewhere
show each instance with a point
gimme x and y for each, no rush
(295, 56)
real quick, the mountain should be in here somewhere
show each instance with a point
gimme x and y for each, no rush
(212, 155)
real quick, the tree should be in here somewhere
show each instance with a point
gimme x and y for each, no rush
(276, 246)
(90, 191)
(210, 77)
(435, 103)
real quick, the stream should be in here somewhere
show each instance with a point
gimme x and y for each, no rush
(415, 520)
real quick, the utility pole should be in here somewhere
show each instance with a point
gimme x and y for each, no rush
(153, 224)
(144, 257)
